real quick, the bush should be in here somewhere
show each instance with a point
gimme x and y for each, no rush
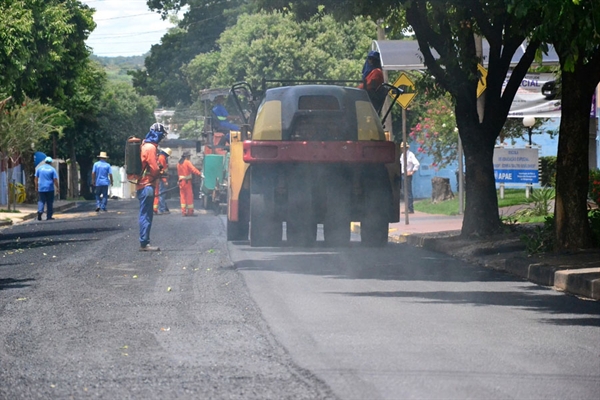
(542, 239)
(594, 185)
(548, 171)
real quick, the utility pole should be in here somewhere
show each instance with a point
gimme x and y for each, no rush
(388, 123)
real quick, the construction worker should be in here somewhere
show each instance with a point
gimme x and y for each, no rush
(101, 178)
(160, 197)
(46, 180)
(372, 75)
(185, 170)
(223, 119)
(147, 183)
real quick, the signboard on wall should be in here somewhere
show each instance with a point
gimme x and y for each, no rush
(516, 165)
(537, 96)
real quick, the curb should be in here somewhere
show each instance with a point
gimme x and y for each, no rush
(33, 214)
(577, 273)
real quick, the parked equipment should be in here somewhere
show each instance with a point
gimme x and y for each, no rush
(311, 154)
(215, 164)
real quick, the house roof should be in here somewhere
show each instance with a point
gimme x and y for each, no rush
(402, 55)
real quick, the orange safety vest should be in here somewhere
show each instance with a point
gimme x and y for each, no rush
(149, 166)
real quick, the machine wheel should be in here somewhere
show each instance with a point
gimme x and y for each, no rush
(207, 201)
(336, 226)
(238, 230)
(374, 226)
(265, 229)
(301, 226)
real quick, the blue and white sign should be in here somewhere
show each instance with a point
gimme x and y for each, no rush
(516, 165)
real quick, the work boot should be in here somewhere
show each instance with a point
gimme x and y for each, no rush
(149, 248)
(39, 216)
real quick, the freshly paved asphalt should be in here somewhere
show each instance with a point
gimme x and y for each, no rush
(572, 273)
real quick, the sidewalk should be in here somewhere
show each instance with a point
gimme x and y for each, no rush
(29, 211)
(577, 273)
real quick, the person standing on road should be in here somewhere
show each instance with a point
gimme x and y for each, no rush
(185, 170)
(412, 167)
(372, 76)
(46, 179)
(160, 197)
(147, 183)
(101, 179)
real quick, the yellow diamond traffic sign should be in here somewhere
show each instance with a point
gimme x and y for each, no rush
(403, 82)
(482, 84)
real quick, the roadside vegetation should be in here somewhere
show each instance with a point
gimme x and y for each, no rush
(538, 201)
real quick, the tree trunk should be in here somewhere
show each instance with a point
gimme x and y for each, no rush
(74, 184)
(572, 230)
(482, 217)
(85, 170)
(29, 169)
(440, 189)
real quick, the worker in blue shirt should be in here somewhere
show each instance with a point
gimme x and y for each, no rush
(101, 178)
(46, 179)
(223, 118)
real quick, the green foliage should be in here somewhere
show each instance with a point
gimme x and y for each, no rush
(435, 132)
(594, 218)
(22, 125)
(548, 171)
(197, 33)
(122, 113)
(513, 129)
(542, 239)
(276, 46)
(541, 200)
(594, 185)
(42, 47)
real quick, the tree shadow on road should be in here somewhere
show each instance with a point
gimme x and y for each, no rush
(10, 283)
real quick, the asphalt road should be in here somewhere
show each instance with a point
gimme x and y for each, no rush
(405, 323)
(84, 314)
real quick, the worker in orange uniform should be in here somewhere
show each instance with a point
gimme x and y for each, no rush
(146, 184)
(185, 170)
(372, 75)
(160, 197)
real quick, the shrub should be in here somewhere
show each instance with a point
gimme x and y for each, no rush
(542, 239)
(594, 185)
(548, 171)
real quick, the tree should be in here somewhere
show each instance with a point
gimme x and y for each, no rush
(276, 46)
(196, 33)
(43, 47)
(449, 28)
(435, 131)
(103, 114)
(571, 26)
(22, 127)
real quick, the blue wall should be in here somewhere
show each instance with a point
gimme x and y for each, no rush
(422, 179)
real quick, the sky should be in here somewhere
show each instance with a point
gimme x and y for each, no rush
(124, 27)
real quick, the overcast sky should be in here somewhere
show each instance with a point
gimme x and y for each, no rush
(124, 27)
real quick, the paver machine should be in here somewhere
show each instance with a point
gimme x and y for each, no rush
(311, 153)
(215, 162)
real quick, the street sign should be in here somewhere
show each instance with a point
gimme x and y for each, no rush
(482, 84)
(403, 82)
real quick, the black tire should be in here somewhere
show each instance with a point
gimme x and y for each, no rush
(207, 201)
(238, 230)
(265, 229)
(336, 226)
(374, 226)
(301, 226)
